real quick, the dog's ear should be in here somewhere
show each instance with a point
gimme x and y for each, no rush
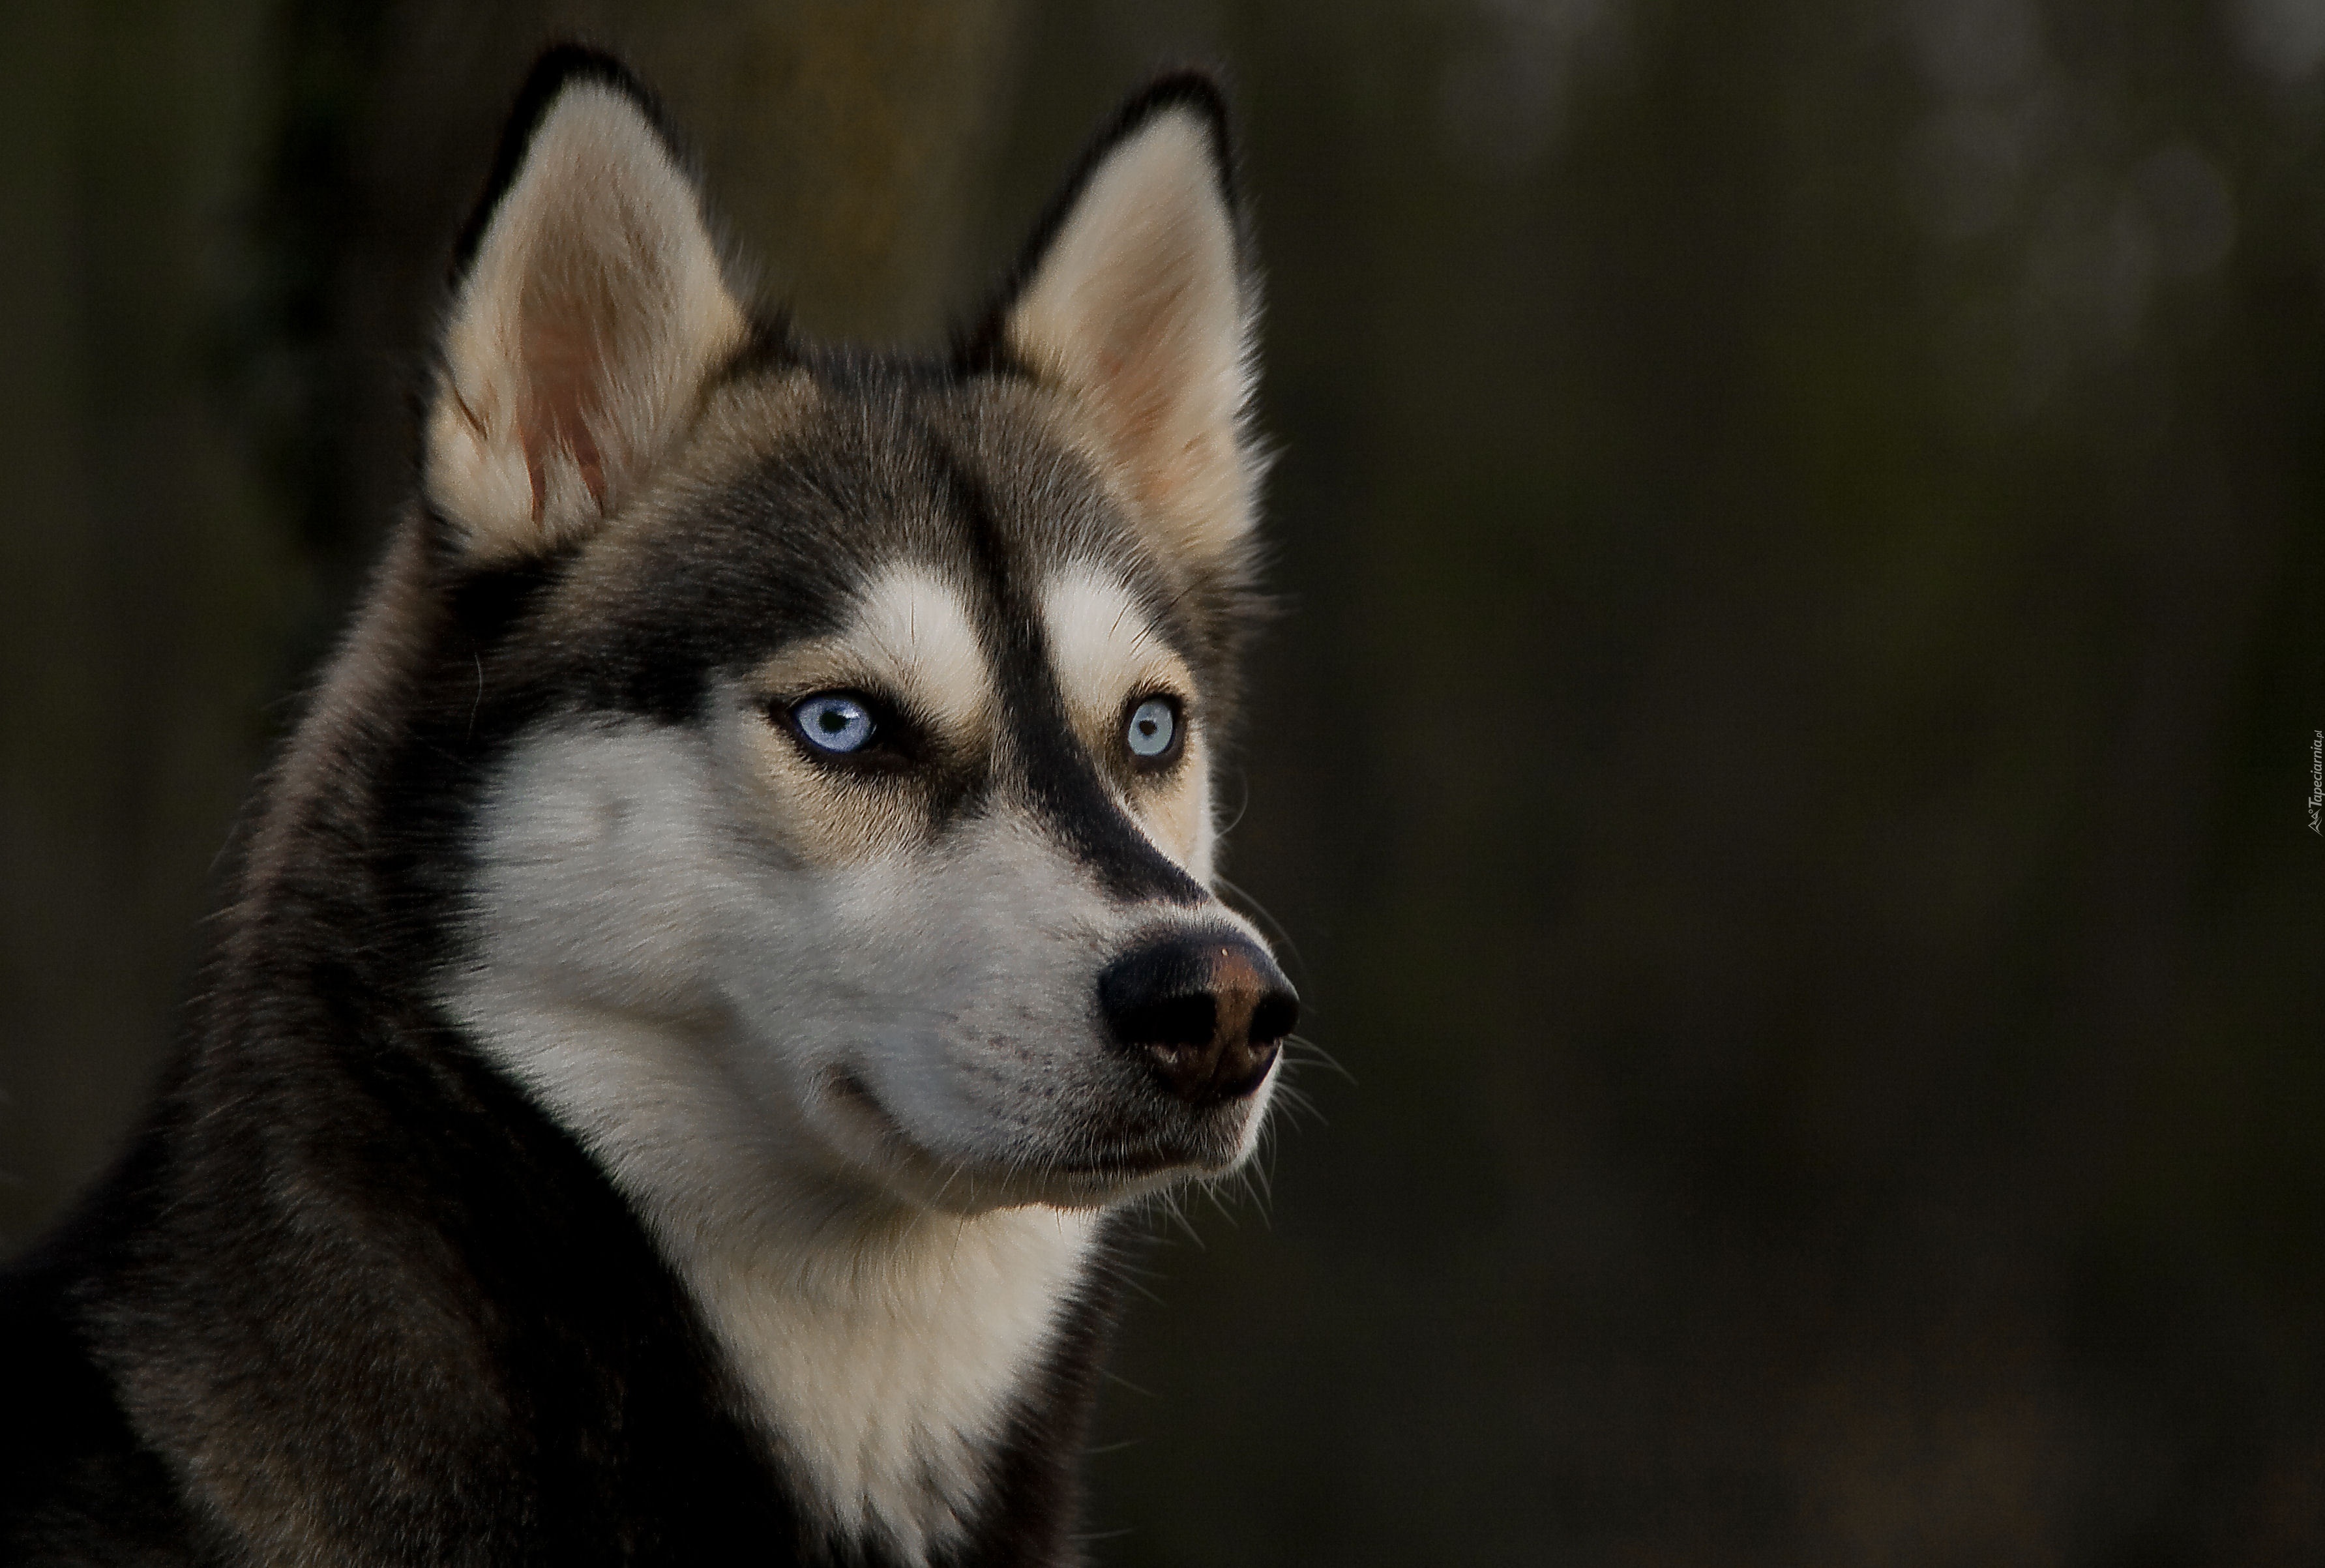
(1137, 297)
(589, 308)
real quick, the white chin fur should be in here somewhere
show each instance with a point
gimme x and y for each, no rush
(852, 1105)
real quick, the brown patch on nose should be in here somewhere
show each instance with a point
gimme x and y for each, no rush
(1208, 1013)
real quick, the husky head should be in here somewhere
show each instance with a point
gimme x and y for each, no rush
(844, 725)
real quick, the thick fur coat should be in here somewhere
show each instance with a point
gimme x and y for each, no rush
(728, 937)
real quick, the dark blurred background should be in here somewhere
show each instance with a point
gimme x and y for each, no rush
(1785, 772)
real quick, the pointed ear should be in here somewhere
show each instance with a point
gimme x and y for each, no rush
(1138, 300)
(589, 313)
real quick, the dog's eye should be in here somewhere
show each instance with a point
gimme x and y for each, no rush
(834, 721)
(1152, 728)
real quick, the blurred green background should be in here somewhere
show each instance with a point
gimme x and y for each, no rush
(1785, 772)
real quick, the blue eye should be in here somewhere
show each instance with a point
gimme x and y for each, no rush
(834, 721)
(1153, 726)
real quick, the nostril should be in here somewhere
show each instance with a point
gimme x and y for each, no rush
(1274, 1017)
(1187, 1020)
(1206, 1015)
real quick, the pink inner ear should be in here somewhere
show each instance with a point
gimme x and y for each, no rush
(1139, 375)
(565, 362)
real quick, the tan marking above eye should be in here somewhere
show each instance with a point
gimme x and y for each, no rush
(910, 646)
(911, 643)
(1108, 654)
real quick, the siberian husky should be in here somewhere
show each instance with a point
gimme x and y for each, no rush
(730, 934)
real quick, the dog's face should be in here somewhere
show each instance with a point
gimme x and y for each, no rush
(871, 708)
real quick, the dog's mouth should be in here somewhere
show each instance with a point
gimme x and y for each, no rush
(1084, 1177)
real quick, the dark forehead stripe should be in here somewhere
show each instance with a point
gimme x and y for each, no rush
(773, 555)
(883, 471)
(782, 551)
(1060, 777)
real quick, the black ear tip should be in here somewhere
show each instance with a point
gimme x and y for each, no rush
(1187, 89)
(1184, 87)
(563, 64)
(560, 67)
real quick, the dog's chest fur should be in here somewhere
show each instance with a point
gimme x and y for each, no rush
(892, 1387)
(888, 1358)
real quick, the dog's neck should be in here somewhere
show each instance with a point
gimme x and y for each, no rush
(886, 1351)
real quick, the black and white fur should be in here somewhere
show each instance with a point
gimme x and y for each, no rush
(609, 1130)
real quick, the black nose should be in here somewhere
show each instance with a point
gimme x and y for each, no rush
(1208, 1012)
